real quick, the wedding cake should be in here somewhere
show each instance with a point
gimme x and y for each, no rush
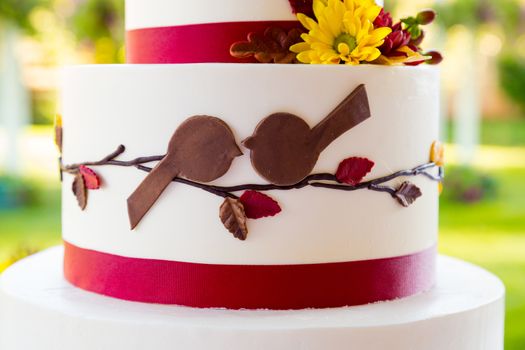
(263, 174)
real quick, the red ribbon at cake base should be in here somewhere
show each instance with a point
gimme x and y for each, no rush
(196, 43)
(277, 287)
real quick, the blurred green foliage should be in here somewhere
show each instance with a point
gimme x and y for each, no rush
(15, 193)
(473, 13)
(502, 16)
(44, 107)
(512, 78)
(468, 185)
(101, 22)
(17, 11)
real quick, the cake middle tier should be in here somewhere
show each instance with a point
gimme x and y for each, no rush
(141, 106)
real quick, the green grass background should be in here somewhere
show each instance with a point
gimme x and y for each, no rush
(490, 233)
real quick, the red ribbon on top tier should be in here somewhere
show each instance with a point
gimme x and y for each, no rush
(196, 43)
(276, 287)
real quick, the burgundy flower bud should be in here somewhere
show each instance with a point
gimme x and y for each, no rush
(426, 17)
(417, 42)
(303, 6)
(384, 19)
(437, 58)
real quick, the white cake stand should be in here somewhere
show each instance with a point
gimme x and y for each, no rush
(40, 310)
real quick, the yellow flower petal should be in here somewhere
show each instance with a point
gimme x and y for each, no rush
(437, 153)
(306, 21)
(380, 33)
(300, 47)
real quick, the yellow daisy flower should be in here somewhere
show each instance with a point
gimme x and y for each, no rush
(344, 32)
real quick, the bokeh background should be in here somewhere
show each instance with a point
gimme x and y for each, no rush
(483, 107)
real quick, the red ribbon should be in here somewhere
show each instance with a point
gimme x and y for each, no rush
(277, 287)
(196, 43)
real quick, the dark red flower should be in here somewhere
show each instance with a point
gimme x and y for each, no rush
(303, 6)
(384, 19)
(395, 40)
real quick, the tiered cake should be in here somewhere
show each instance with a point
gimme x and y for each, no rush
(234, 190)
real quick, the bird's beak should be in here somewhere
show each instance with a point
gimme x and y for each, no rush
(249, 142)
(236, 152)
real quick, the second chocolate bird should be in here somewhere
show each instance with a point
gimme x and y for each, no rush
(285, 150)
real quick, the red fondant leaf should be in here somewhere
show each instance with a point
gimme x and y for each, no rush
(91, 178)
(352, 170)
(258, 205)
(407, 194)
(303, 6)
(80, 191)
(233, 218)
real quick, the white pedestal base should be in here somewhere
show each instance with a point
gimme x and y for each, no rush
(40, 310)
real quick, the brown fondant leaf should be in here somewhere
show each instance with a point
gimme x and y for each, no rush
(271, 47)
(234, 218)
(407, 194)
(80, 191)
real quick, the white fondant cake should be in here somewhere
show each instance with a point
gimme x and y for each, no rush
(463, 312)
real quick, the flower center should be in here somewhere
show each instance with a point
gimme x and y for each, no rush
(345, 44)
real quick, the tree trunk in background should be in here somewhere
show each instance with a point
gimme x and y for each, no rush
(14, 99)
(467, 104)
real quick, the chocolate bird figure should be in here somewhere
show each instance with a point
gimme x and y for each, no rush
(284, 150)
(201, 149)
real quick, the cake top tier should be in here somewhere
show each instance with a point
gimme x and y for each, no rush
(161, 13)
(273, 31)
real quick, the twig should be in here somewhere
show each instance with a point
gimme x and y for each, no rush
(323, 180)
(110, 160)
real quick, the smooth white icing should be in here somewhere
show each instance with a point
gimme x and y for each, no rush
(164, 13)
(464, 312)
(140, 106)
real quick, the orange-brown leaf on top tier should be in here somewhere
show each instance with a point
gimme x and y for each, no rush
(271, 47)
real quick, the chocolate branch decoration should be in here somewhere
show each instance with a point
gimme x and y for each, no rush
(406, 194)
(201, 149)
(284, 150)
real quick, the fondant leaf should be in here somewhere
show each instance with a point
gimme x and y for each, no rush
(258, 205)
(437, 153)
(80, 191)
(352, 170)
(234, 218)
(271, 47)
(407, 194)
(58, 132)
(91, 179)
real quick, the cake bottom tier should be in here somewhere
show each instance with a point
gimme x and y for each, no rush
(40, 310)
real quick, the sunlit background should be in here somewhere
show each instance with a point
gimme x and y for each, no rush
(483, 107)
